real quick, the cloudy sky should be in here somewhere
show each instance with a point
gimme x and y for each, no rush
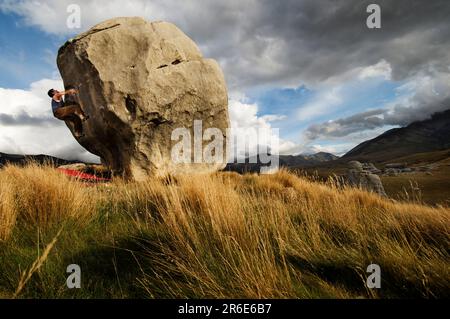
(310, 68)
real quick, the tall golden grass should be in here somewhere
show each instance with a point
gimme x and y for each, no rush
(40, 195)
(247, 236)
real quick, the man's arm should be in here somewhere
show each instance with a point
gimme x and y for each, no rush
(71, 91)
(58, 95)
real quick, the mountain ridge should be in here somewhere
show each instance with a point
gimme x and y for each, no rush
(253, 164)
(429, 135)
(20, 159)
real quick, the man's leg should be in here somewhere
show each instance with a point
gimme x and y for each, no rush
(77, 126)
(70, 110)
(72, 99)
(67, 114)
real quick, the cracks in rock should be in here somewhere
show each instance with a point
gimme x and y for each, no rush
(86, 35)
(96, 31)
(157, 119)
(177, 61)
(130, 104)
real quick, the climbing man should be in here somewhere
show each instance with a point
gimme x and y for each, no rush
(68, 111)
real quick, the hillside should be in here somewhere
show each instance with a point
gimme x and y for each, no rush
(222, 235)
(431, 185)
(418, 137)
(23, 159)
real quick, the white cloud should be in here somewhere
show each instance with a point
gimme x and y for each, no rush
(326, 101)
(244, 118)
(381, 69)
(333, 149)
(51, 15)
(54, 139)
(273, 117)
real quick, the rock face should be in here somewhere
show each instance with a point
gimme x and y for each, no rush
(138, 81)
(359, 177)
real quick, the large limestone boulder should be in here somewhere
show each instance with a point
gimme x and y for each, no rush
(358, 177)
(138, 81)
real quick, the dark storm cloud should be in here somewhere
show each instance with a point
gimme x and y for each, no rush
(290, 42)
(370, 120)
(295, 42)
(24, 119)
(345, 126)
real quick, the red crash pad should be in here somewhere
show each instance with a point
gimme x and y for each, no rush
(83, 176)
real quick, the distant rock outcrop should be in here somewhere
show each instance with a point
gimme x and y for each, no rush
(358, 177)
(371, 168)
(396, 165)
(138, 81)
(390, 169)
